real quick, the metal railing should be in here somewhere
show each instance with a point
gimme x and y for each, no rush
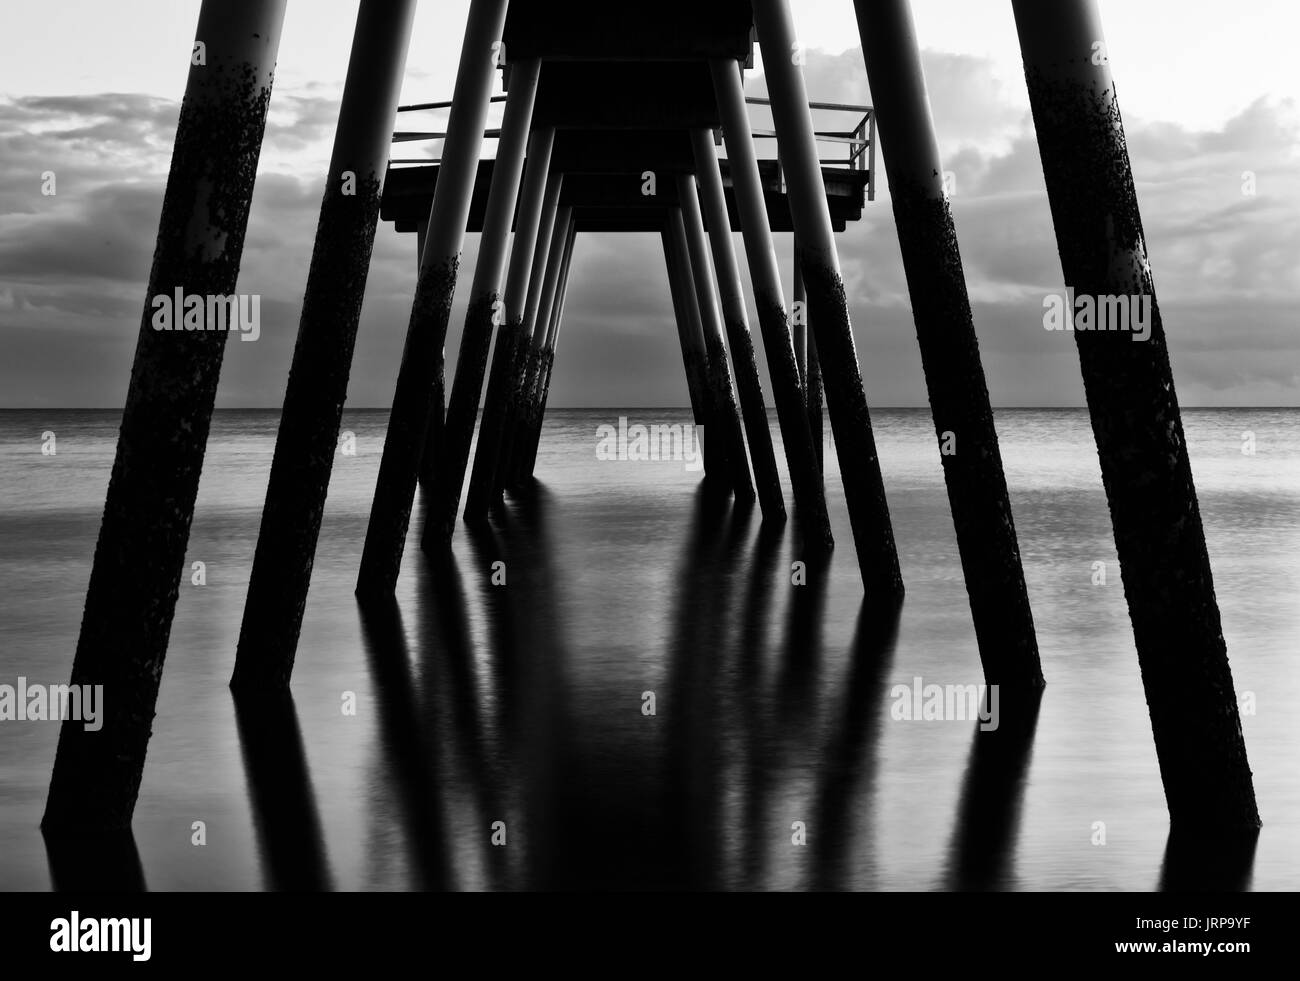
(860, 140)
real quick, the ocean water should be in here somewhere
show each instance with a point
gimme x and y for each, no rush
(526, 703)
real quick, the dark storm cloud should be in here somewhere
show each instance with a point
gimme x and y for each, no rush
(73, 267)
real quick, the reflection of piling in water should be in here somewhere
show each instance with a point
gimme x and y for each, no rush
(279, 786)
(988, 818)
(322, 359)
(422, 355)
(864, 488)
(94, 863)
(849, 760)
(1210, 863)
(140, 553)
(486, 309)
(404, 731)
(1137, 424)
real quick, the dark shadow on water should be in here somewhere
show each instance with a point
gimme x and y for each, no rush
(409, 753)
(1205, 863)
(279, 785)
(106, 863)
(849, 759)
(988, 817)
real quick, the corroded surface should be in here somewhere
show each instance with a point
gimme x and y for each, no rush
(140, 553)
(496, 407)
(1136, 421)
(462, 412)
(307, 440)
(413, 403)
(855, 444)
(959, 403)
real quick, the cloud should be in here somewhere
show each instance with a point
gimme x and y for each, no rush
(73, 267)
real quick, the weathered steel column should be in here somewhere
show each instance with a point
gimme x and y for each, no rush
(724, 397)
(327, 331)
(812, 372)
(691, 336)
(524, 359)
(735, 321)
(140, 553)
(486, 310)
(483, 476)
(765, 274)
(691, 351)
(799, 323)
(528, 460)
(950, 355)
(516, 433)
(418, 378)
(1136, 422)
(864, 489)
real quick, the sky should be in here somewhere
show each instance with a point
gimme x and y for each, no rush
(91, 91)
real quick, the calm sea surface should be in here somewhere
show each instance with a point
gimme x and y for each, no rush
(524, 704)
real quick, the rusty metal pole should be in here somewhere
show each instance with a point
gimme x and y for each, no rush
(482, 479)
(950, 355)
(724, 397)
(140, 554)
(322, 360)
(765, 274)
(1137, 424)
(528, 461)
(486, 310)
(419, 377)
(516, 435)
(735, 321)
(864, 488)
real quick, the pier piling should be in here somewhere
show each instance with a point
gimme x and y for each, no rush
(140, 553)
(950, 356)
(864, 488)
(1137, 424)
(422, 355)
(307, 440)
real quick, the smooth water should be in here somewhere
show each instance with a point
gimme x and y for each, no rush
(523, 703)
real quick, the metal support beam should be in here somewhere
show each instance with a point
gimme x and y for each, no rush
(765, 274)
(735, 321)
(730, 435)
(810, 369)
(482, 480)
(864, 488)
(486, 310)
(1137, 423)
(691, 337)
(528, 460)
(422, 357)
(516, 434)
(322, 359)
(140, 554)
(950, 355)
